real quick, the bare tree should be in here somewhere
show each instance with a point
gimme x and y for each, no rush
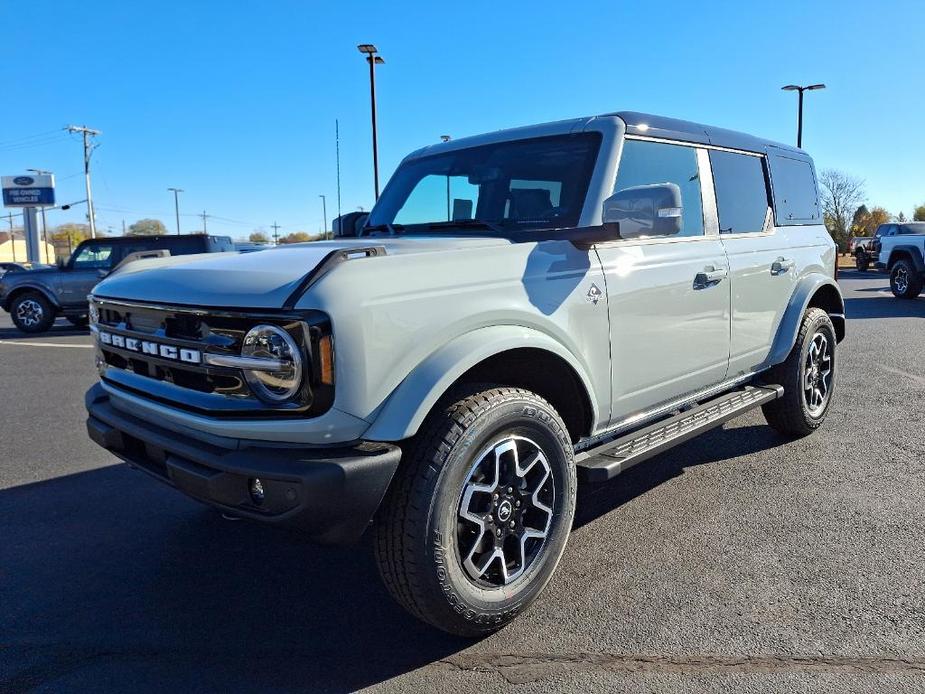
(841, 196)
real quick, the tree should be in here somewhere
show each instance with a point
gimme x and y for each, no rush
(841, 193)
(259, 237)
(147, 227)
(901, 218)
(865, 223)
(295, 237)
(70, 234)
(919, 214)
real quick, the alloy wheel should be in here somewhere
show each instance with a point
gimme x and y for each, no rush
(817, 374)
(29, 313)
(505, 511)
(901, 279)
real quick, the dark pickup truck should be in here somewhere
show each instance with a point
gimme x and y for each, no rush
(34, 298)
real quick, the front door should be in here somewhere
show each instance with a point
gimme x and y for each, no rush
(668, 297)
(91, 264)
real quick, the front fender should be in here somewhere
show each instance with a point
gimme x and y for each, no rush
(29, 286)
(914, 253)
(405, 409)
(789, 326)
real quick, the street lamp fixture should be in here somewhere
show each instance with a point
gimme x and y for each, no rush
(801, 89)
(373, 59)
(176, 205)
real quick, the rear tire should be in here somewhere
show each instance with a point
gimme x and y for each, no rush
(808, 377)
(861, 262)
(78, 321)
(490, 471)
(905, 280)
(32, 313)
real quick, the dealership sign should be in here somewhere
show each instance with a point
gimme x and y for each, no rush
(29, 190)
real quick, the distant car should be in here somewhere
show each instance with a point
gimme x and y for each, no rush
(36, 297)
(249, 246)
(900, 250)
(859, 247)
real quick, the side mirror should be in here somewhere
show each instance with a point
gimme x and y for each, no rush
(650, 210)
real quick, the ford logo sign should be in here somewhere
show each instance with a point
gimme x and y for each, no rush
(24, 180)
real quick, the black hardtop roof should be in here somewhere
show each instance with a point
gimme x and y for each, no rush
(674, 129)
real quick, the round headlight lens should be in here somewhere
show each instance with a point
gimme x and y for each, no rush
(271, 342)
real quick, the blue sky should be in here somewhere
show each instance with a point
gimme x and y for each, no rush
(235, 102)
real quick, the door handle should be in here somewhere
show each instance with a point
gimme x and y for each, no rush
(709, 277)
(781, 266)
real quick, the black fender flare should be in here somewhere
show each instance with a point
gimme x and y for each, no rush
(914, 253)
(30, 286)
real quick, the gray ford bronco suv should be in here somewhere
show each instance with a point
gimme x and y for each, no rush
(522, 308)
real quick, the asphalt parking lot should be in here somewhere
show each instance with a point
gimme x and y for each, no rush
(738, 562)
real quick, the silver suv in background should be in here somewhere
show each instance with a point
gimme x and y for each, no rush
(521, 308)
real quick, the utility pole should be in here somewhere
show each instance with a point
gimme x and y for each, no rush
(324, 208)
(337, 144)
(123, 227)
(88, 150)
(204, 217)
(373, 59)
(176, 206)
(275, 228)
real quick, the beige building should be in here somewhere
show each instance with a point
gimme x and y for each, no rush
(14, 249)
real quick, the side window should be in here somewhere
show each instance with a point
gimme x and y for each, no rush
(646, 163)
(741, 192)
(94, 256)
(794, 190)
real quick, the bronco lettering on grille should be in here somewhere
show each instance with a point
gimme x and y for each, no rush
(131, 344)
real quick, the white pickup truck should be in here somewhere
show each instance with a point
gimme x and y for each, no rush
(900, 251)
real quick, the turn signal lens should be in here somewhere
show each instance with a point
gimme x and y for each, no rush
(326, 359)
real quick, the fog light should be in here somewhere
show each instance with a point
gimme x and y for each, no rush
(256, 490)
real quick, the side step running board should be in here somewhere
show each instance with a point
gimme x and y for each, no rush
(610, 459)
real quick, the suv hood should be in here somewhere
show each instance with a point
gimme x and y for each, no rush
(264, 279)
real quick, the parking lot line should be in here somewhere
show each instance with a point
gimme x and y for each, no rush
(42, 344)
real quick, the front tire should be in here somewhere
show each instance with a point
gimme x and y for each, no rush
(861, 262)
(479, 513)
(808, 377)
(32, 313)
(905, 280)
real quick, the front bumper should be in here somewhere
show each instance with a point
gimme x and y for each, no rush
(329, 493)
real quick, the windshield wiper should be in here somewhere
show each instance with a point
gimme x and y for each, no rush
(466, 224)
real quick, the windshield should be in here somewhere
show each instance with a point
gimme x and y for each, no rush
(509, 186)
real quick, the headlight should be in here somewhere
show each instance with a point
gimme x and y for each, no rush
(94, 313)
(271, 342)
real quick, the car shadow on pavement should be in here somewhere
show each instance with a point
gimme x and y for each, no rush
(884, 307)
(597, 499)
(110, 581)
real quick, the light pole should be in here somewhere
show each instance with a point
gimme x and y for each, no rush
(447, 138)
(800, 89)
(43, 172)
(373, 59)
(176, 205)
(324, 208)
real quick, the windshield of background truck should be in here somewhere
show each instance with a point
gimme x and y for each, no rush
(517, 185)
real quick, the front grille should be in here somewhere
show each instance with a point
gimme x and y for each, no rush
(133, 331)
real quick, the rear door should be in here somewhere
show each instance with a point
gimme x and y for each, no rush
(762, 262)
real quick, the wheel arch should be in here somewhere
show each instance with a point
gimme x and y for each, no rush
(514, 356)
(21, 289)
(911, 252)
(812, 291)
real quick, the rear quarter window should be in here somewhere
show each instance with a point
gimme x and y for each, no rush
(796, 200)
